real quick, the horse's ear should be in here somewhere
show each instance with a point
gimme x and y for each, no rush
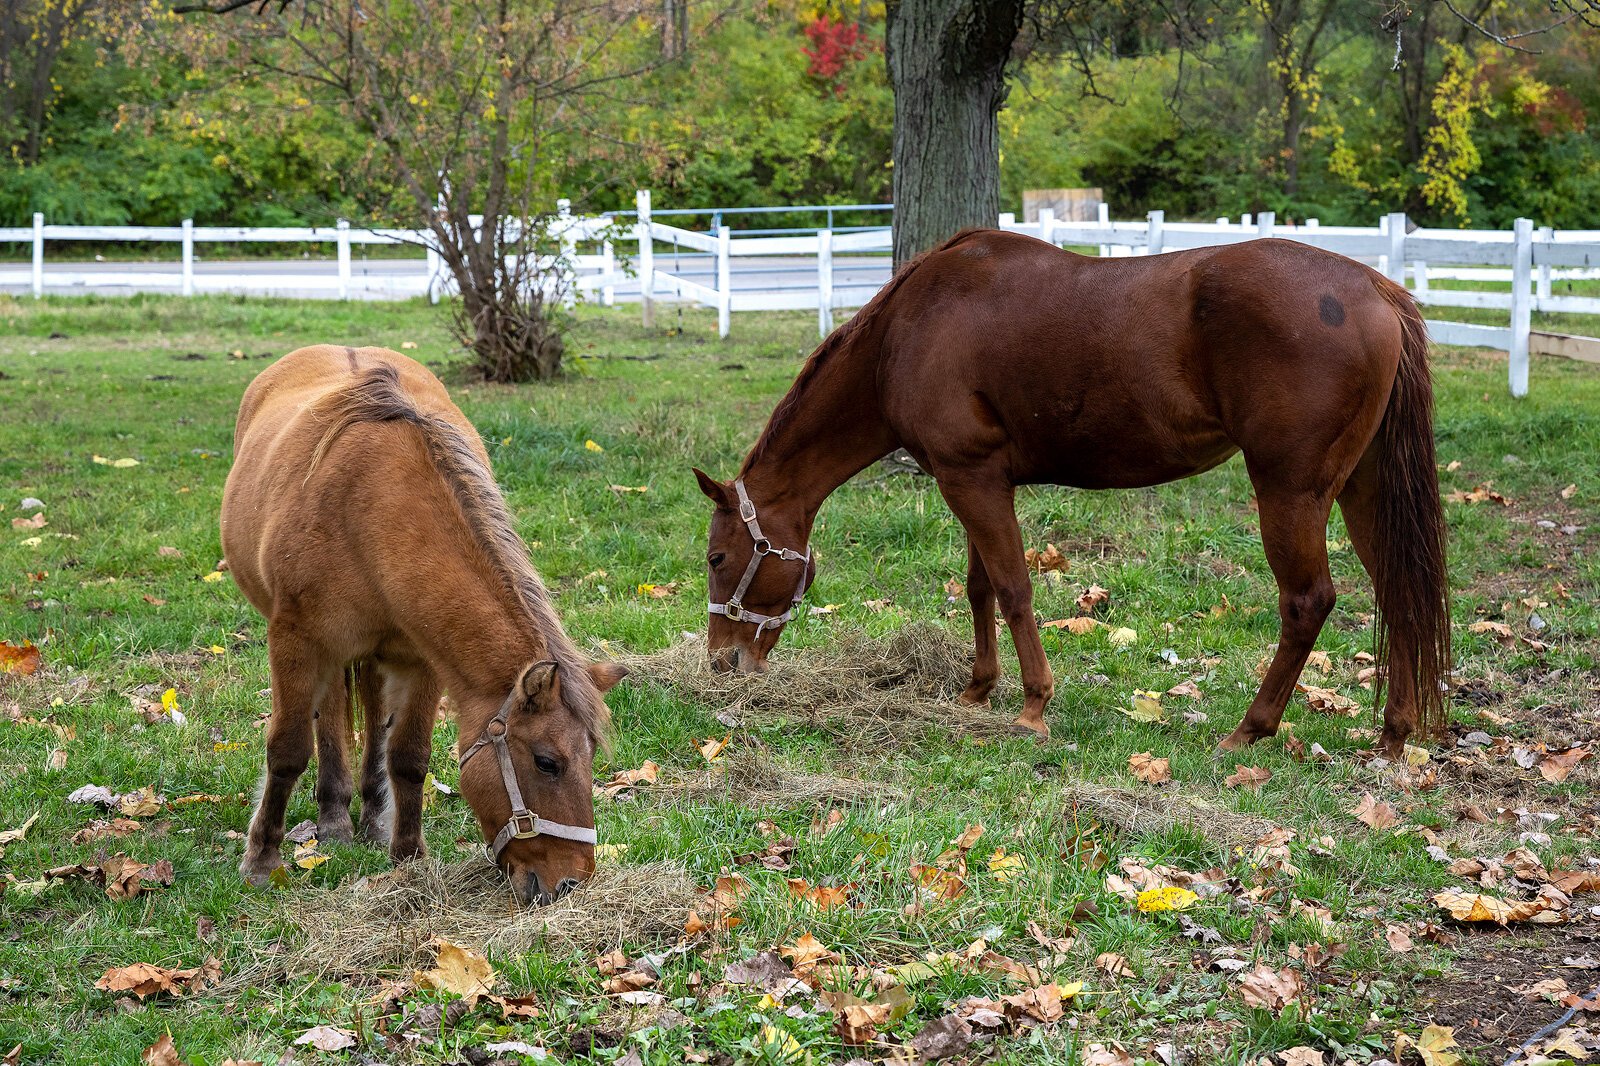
(606, 675)
(714, 489)
(538, 682)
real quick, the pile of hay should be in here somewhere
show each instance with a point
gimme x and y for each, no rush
(1151, 811)
(863, 689)
(382, 925)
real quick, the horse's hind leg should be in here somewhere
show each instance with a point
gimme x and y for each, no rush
(986, 658)
(374, 826)
(411, 693)
(334, 716)
(1294, 531)
(301, 679)
(1359, 505)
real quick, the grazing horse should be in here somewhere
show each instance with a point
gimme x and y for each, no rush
(998, 360)
(362, 520)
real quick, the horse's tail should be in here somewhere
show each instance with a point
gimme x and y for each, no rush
(1410, 578)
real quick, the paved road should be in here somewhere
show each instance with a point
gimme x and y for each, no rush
(402, 278)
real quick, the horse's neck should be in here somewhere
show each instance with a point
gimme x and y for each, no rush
(827, 429)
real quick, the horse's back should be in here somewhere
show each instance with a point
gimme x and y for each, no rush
(287, 524)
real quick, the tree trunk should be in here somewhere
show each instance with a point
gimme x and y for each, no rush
(946, 61)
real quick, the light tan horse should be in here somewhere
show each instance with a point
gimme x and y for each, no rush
(362, 520)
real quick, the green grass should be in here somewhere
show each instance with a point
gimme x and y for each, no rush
(120, 383)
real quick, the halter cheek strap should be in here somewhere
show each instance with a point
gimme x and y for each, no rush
(733, 609)
(524, 823)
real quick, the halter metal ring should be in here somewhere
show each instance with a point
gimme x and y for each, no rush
(523, 824)
(733, 611)
(763, 546)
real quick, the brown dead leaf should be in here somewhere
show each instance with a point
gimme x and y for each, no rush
(1185, 688)
(1149, 769)
(36, 522)
(1272, 989)
(1251, 777)
(823, 897)
(623, 780)
(1374, 812)
(1398, 938)
(1555, 768)
(969, 836)
(162, 1053)
(146, 979)
(126, 878)
(1076, 626)
(458, 970)
(21, 658)
(1327, 701)
(807, 953)
(1094, 596)
(711, 748)
(1048, 559)
(1115, 965)
(1500, 630)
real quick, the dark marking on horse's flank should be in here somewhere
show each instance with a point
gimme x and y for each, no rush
(350, 353)
(1331, 310)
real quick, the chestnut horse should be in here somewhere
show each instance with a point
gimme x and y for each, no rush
(998, 360)
(362, 520)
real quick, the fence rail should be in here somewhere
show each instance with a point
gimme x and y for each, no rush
(788, 270)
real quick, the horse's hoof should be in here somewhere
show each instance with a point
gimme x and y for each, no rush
(1237, 740)
(1039, 730)
(973, 699)
(336, 831)
(374, 832)
(258, 873)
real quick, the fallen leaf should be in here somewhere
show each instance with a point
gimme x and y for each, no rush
(1500, 630)
(1076, 626)
(628, 488)
(806, 953)
(162, 1053)
(711, 748)
(1327, 701)
(140, 803)
(824, 897)
(623, 780)
(1005, 866)
(857, 1023)
(1555, 768)
(1185, 688)
(1146, 707)
(1374, 812)
(1398, 938)
(1149, 769)
(146, 979)
(1251, 777)
(458, 970)
(590, 445)
(1170, 898)
(943, 1038)
(1479, 907)
(1048, 559)
(1271, 989)
(1115, 965)
(1094, 596)
(969, 836)
(659, 592)
(36, 522)
(1434, 1046)
(21, 659)
(327, 1038)
(1123, 637)
(1568, 492)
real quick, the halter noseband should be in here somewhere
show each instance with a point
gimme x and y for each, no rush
(524, 823)
(734, 608)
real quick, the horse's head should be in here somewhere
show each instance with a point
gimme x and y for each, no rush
(528, 776)
(759, 567)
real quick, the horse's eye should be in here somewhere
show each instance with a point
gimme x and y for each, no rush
(547, 765)
(716, 560)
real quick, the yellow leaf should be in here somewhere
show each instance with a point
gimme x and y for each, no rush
(592, 446)
(458, 970)
(1123, 637)
(218, 649)
(215, 575)
(609, 852)
(1005, 867)
(711, 748)
(1171, 898)
(781, 1045)
(1146, 707)
(169, 700)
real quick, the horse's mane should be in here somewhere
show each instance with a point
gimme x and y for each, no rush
(840, 338)
(376, 395)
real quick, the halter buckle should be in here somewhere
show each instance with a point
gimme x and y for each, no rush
(747, 511)
(733, 611)
(523, 824)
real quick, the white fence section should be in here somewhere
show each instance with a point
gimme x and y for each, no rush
(829, 270)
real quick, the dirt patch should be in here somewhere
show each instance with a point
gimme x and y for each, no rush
(862, 690)
(383, 925)
(1479, 996)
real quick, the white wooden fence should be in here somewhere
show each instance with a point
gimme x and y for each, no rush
(1529, 259)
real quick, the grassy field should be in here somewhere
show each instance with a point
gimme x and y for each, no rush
(116, 590)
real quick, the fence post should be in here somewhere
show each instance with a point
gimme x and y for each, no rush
(724, 282)
(1312, 223)
(1419, 281)
(647, 259)
(188, 257)
(38, 254)
(342, 233)
(1007, 220)
(825, 282)
(569, 254)
(435, 268)
(1047, 224)
(1102, 217)
(608, 265)
(1154, 222)
(1545, 235)
(1264, 223)
(1395, 265)
(1247, 220)
(1521, 304)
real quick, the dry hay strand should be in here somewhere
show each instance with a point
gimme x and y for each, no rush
(864, 689)
(756, 780)
(382, 925)
(1159, 811)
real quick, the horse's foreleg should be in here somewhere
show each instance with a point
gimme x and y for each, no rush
(984, 503)
(413, 696)
(334, 714)
(986, 658)
(374, 742)
(300, 679)
(1294, 531)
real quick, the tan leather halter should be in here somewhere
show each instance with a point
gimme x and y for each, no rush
(733, 609)
(524, 823)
